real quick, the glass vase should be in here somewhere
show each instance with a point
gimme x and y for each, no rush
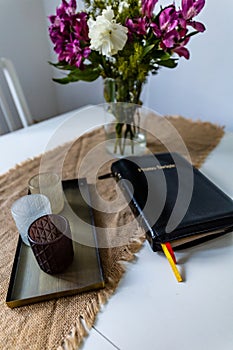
(124, 120)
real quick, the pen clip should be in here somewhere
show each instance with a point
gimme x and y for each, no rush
(105, 176)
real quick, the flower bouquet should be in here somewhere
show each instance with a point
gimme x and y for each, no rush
(122, 41)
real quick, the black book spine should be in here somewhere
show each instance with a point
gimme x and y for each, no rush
(138, 212)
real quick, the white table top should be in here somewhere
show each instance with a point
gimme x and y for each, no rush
(149, 309)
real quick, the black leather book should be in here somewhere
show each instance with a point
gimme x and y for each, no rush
(173, 200)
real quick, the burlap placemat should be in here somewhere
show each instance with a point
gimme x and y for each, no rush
(57, 323)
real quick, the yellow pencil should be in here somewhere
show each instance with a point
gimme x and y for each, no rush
(171, 262)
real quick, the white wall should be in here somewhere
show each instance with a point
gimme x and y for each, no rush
(76, 94)
(23, 39)
(199, 88)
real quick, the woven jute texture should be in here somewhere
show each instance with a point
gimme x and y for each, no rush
(59, 324)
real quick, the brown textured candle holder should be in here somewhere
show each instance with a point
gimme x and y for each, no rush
(51, 243)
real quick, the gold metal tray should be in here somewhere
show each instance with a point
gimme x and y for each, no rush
(29, 284)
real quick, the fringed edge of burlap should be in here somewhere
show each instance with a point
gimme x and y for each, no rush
(81, 328)
(199, 160)
(36, 158)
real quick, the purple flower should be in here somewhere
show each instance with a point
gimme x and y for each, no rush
(180, 48)
(165, 27)
(74, 53)
(176, 43)
(190, 9)
(148, 7)
(169, 39)
(62, 22)
(81, 27)
(68, 8)
(182, 51)
(138, 26)
(167, 21)
(69, 33)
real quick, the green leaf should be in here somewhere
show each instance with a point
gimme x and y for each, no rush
(62, 80)
(170, 63)
(63, 66)
(88, 74)
(192, 33)
(147, 50)
(161, 55)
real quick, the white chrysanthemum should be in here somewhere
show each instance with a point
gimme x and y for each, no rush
(107, 36)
